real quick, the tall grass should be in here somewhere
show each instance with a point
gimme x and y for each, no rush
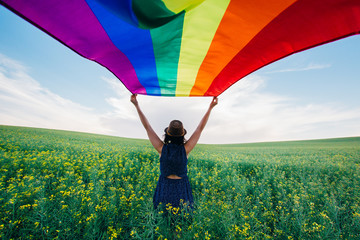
(68, 185)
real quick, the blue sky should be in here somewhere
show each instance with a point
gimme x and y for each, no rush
(310, 95)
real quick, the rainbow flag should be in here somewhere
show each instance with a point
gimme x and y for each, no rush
(188, 47)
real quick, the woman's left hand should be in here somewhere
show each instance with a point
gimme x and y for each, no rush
(133, 99)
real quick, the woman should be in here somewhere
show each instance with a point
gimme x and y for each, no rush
(173, 186)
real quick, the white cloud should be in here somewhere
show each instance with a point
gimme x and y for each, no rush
(24, 102)
(311, 66)
(159, 111)
(246, 112)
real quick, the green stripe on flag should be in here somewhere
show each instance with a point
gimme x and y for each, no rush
(166, 43)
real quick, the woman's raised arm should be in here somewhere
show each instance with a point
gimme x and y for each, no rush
(190, 144)
(153, 137)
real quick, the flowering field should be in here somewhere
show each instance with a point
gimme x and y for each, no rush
(68, 185)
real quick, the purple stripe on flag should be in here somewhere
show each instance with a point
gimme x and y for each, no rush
(73, 23)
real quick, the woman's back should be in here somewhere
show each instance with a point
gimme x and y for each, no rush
(173, 160)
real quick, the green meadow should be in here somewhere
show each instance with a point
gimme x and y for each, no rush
(70, 185)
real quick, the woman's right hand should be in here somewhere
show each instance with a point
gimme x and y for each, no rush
(214, 102)
(133, 99)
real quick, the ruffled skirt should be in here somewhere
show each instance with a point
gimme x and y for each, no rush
(176, 192)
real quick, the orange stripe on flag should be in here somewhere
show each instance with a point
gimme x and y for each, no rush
(242, 20)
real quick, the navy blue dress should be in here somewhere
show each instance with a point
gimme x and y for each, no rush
(173, 160)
